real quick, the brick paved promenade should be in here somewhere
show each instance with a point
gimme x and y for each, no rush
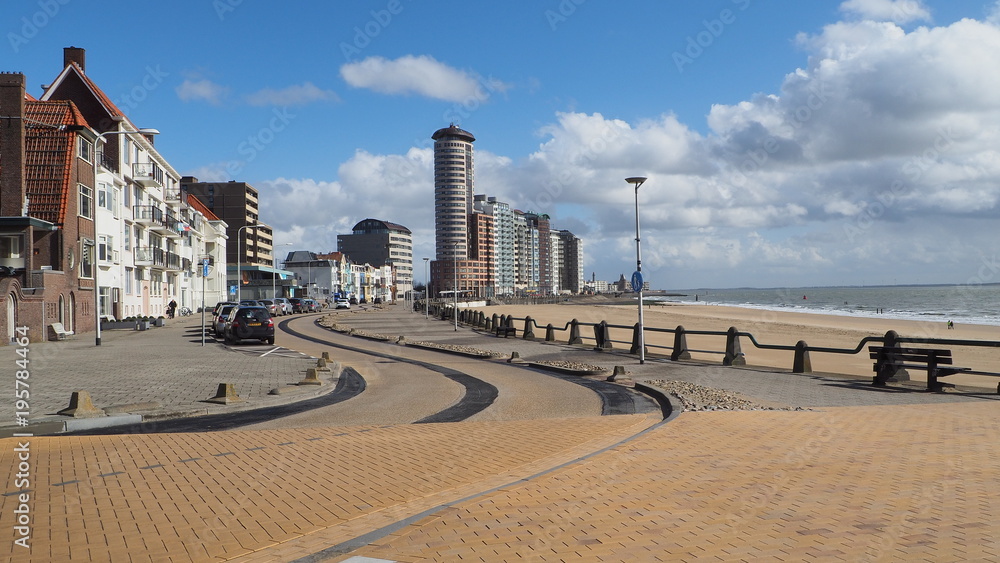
(863, 475)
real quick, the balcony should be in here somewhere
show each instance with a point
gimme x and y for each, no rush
(148, 215)
(170, 226)
(148, 174)
(151, 257)
(107, 162)
(174, 262)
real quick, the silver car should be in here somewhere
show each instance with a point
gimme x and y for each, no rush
(284, 305)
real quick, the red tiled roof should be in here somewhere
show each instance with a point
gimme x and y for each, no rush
(49, 153)
(201, 208)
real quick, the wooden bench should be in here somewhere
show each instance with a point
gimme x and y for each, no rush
(506, 331)
(60, 331)
(889, 359)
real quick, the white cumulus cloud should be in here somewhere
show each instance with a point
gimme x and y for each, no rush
(201, 90)
(898, 11)
(422, 75)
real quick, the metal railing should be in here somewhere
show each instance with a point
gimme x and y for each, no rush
(732, 353)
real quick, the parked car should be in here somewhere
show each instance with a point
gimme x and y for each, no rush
(219, 322)
(353, 300)
(215, 310)
(249, 323)
(271, 307)
(312, 306)
(250, 303)
(342, 304)
(298, 305)
(284, 305)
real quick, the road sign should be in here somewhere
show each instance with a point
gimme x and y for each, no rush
(636, 281)
(204, 265)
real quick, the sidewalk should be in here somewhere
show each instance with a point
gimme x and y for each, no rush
(160, 372)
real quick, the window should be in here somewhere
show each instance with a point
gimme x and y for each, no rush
(128, 239)
(127, 149)
(128, 281)
(86, 201)
(105, 248)
(87, 258)
(85, 149)
(104, 301)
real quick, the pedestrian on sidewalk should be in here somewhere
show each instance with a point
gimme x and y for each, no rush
(171, 308)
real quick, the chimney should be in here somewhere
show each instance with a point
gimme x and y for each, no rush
(75, 55)
(12, 192)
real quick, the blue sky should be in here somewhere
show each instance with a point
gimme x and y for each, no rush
(787, 143)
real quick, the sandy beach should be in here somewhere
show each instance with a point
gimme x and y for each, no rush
(768, 327)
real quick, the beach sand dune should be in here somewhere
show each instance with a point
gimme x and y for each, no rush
(767, 327)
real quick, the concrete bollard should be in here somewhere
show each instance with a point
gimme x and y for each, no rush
(618, 372)
(225, 395)
(401, 340)
(801, 362)
(326, 356)
(81, 406)
(734, 355)
(574, 332)
(515, 358)
(680, 351)
(321, 365)
(312, 378)
(529, 329)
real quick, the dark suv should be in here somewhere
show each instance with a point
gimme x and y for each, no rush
(299, 305)
(249, 323)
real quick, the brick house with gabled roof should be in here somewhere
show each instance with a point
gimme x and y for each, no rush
(46, 213)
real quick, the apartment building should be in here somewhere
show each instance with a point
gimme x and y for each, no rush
(94, 225)
(382, 243)
(149, 240)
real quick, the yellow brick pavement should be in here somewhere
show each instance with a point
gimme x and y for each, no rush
(851, 484)
(218, 496)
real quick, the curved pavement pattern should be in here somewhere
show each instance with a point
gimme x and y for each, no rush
(912, 478)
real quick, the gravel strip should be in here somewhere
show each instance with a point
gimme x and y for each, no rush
(698, 398)
(463, 349)
(570, 365)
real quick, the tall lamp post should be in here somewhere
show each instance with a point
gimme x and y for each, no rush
(97, 233)
(637, 277)
(239, 261)
(427, 288)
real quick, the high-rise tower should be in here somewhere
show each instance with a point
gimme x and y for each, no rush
(454, 182)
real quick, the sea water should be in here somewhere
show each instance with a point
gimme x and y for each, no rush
(973, 304)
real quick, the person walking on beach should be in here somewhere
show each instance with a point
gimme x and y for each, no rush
(951, 325)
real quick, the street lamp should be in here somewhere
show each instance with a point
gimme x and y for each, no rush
(239, 261)
(427, 287)
(637, 277)
(97, 232)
